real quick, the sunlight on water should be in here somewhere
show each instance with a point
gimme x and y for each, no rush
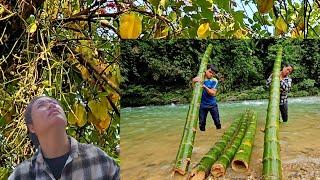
(150, 135)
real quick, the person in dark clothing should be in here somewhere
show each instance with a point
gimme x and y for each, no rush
(285, 87)
(208, 99)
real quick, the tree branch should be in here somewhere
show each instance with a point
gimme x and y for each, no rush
(304, 19)
(104, 77)
(87, 17)
(308, 21)
(153, 15)
(318, 3)
(113, 106)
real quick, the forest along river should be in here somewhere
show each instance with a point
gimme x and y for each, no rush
(150, 138)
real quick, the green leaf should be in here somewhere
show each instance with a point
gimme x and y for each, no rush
(31, 19)
(224, 4)
(256, 26)
(180, 3)
(2, 121)
(194, 23)
(265, 33)
(229, 33)
(256, 16)
(264, 20)
(236, 26)
(196, 16)
(214, 26)
(193, 31)
(190, 9)
(250, 20)
(185, 21)
(239, 16)
(154, 3)
(173, 16)
(204, 4)
(89, 2)
(208, 14)
(163, 3)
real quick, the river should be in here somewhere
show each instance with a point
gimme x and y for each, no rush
(150, 138)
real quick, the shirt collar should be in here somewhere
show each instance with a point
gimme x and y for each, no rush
(74, 151)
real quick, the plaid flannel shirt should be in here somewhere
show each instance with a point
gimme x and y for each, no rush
(85, 161)
(285, 86)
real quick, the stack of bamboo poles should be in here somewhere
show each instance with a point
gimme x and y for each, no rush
(217, 159)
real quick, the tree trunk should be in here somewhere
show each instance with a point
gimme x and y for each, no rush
(187, 141)
(271, 153)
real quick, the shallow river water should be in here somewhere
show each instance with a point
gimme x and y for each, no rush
(150, 138)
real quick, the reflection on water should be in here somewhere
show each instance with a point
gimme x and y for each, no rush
(150, 136)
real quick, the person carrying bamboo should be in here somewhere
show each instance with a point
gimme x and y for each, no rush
(285, 87)
(208, 99)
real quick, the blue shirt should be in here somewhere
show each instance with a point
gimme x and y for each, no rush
(207, 100)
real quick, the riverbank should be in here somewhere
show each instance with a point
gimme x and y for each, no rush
(135, 96)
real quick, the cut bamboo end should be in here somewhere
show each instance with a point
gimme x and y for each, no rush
(218, 170)
(200, 175)
(182, 168)
(239, 166)
(180, 171)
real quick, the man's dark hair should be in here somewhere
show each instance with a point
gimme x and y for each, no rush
(285, 64)
(212, 67)
(28, 120)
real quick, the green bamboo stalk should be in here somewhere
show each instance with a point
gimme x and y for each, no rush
(219, 167)
(4, 173)
(186, 145)
(271, 153)
(202, 169)
(240, 162)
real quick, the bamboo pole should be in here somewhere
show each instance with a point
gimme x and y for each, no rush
(219, 167)
(202, 169)
(241, 160)
(186, 145)
(271, 154)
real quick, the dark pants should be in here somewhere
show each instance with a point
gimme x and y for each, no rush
(284, 112)
(203, 112)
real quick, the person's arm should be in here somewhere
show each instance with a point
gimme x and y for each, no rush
(211, 92)
(269, 80)
(285, 85)
(196, 79)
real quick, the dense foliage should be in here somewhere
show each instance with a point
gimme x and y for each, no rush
(160, 72)
(49, 48)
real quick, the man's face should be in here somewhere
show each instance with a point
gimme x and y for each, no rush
(47, 114)
(209, 73)
(286, 71)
